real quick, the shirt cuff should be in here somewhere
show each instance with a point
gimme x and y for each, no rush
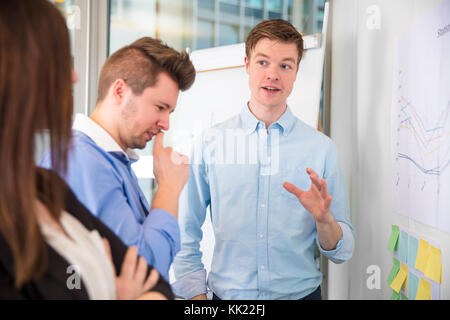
(344, 248)
(165, 222)
(190, 285)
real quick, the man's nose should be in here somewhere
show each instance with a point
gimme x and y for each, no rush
(164, 123)
(272, 73)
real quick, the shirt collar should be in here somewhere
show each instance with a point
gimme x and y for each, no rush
(100, 136)
(250, 122)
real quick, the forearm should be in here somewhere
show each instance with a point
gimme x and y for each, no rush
(329, 232)
(166, 199)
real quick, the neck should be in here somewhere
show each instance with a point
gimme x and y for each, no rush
(268, 115)
(105, 119)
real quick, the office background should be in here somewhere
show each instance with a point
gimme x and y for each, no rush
(357, 96)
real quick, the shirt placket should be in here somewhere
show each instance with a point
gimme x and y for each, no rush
(142, 200)
(262, 215)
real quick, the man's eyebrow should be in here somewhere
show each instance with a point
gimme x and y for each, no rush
(289, 59)
(266, 56)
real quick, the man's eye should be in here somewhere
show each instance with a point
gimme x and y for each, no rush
(160, 108)
(285, 66)
(261, 63)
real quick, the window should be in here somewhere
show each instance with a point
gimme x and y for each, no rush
(228, 34)
(198, 24)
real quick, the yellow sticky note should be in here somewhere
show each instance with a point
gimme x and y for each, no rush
(399, 280)
(433, 269)
(424, 291)
(422, 255)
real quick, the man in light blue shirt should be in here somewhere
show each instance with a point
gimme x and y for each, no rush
(268, 205)
(138, 89)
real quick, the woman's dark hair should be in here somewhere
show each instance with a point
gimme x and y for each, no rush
(35, 96)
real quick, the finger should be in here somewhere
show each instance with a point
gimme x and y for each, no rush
(324, 189)
(158, 144)
(185, 159)
(314, 178)
(315, 190)
(129, 263)
(292, 189)
(328, 202)
(152, 280)
(177, 158)
(141, 271)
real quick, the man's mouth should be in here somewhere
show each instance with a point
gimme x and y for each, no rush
(270, 90)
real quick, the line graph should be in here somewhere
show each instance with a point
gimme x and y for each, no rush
(421, 122)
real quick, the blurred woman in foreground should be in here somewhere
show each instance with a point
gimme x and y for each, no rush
(51, 247)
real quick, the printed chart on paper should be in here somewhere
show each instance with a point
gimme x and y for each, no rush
(421, 120)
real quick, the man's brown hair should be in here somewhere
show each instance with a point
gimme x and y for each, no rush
(140, 63)
(274, 29)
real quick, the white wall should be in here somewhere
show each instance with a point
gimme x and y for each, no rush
(362, 67)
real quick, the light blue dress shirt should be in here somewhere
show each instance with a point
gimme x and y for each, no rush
(100, 175)
(264, 238)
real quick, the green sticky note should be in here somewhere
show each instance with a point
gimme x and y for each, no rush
(394, 271)
(395, 296)
(413, 284)
(403, 247)
(412, 251)
(393, 240)
(403, 296)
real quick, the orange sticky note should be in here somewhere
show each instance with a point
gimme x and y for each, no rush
(433, 269)
(399, 280)
(422, 255)
(424, 291)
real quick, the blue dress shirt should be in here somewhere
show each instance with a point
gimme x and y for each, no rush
(100, 175)
(264, 237)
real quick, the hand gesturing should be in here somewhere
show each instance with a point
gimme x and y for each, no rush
(316, 200)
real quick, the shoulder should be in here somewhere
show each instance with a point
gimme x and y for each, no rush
(86, 156)
(304, 130)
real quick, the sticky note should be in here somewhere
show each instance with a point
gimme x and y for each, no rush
(413, 284)
(393, 240)
(433, 269)
(394, 271)
(424, 290)
(403, 246)
(395, 296)
(422, 255)
(400, 279)
(412, 251)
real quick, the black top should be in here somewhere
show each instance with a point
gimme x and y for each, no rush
(53, 283)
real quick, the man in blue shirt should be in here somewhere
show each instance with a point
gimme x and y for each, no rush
(267, 201)
(138, 89)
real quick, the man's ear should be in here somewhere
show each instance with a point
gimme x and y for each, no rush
(118, 90)
(246, 61)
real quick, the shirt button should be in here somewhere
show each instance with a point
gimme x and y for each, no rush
(263, 205)
(262, 267)
(261, 235)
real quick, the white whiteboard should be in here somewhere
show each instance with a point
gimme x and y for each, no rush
(221, 91)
